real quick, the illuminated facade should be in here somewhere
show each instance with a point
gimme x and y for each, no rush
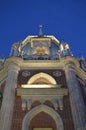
(42, 86)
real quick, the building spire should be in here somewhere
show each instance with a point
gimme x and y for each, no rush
(40, 30)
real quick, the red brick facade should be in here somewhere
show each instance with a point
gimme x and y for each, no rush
(42, 119)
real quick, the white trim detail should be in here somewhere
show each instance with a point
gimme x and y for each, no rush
(42, 75)
(42, 108)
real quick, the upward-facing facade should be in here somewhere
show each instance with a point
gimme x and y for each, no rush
(42, 86)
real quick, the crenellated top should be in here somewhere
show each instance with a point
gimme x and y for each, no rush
(45, 47)
(41, 47)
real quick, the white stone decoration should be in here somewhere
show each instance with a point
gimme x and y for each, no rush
(25, 73)
(57, 73)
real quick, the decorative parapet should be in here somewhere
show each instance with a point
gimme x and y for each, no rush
(55, 95)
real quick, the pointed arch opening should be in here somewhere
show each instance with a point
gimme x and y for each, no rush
(42, 108)
(42, 78)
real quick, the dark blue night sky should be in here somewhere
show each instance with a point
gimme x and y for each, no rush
(65, 19)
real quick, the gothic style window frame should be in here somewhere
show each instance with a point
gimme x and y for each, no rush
(42, 108)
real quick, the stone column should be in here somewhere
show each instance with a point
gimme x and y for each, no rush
(8, 98)
(76, 99)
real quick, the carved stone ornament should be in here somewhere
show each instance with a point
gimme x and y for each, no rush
(57, 73)
(25, 73)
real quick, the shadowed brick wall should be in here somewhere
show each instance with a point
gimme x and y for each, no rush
(19, 115)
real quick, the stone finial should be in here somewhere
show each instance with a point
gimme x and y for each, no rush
(40, 30)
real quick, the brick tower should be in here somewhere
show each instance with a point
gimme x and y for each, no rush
(42, 86)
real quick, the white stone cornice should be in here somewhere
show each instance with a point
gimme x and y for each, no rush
(14, 67)
(42, 64)
(81, 74)
(75, 66)
(43, 91)
(11, 62)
